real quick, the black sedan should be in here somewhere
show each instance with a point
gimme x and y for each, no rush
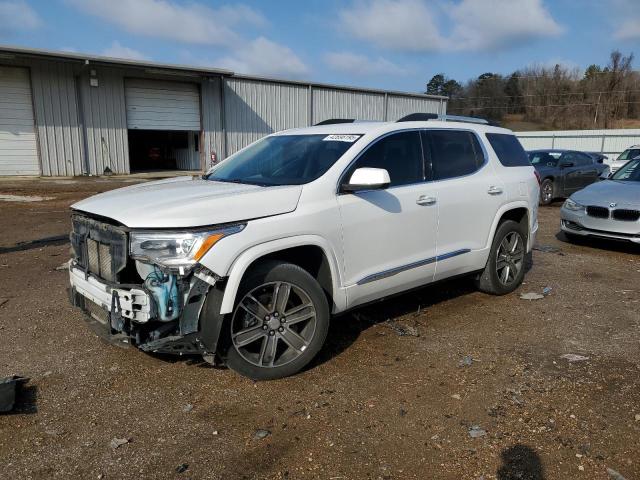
(563, 172)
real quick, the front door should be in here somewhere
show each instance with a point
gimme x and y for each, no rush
(389, 236)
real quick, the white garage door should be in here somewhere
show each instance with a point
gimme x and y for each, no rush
(160, 105)
(18, 146)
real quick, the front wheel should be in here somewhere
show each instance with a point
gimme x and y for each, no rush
(505, 268)
(279, 323)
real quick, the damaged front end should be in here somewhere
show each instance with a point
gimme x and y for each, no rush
(146, 288)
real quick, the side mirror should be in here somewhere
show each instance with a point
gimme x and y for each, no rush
(566, 164)
(367, 179)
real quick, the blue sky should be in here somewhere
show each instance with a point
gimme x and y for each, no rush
(394, 44)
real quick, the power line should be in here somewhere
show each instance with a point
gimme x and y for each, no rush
(565, 105)
(611, 92)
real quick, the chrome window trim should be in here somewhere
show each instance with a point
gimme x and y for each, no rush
(420, 263)
(485, 155)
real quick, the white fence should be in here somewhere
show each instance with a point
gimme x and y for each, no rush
(608, 142)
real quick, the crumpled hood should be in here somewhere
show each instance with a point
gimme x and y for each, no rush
(609, 191)
(184, 202)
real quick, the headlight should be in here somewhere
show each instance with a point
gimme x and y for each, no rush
(176, 249)
(573, 206)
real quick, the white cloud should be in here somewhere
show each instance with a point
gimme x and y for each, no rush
(626, 20)
(355, 64)
(17, 16)
(116, 50)
(264, 57)
(416, 25)
(629, 30)
(498, 24)
(393, 24)
(193, 23)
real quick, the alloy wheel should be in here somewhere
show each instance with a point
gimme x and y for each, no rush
(273, 324)
(510, 258)
(547, 192)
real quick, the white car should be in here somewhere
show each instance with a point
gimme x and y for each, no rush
(246, 264)
(624, 157)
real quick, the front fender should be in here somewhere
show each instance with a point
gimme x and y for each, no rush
(246, 258)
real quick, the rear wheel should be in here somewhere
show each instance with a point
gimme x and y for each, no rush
(505, 268)
(546, 191)
(279, 324)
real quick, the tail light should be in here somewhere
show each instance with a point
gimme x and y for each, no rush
(535, 172)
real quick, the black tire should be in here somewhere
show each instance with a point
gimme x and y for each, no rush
(547, 190)
(301, 288)
(490, 280)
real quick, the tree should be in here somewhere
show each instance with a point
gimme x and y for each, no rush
(435, 85)
(441, 85)
(514, 94)
(592, 72)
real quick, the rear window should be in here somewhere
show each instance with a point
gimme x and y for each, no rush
(508, 149)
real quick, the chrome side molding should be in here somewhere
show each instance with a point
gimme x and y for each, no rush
(394, 271)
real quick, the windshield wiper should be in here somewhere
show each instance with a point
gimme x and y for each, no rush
(239, 180)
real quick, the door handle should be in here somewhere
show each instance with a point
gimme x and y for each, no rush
(426, 201)
(493, 190)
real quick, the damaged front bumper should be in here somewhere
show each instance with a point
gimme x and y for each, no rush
(131, 314)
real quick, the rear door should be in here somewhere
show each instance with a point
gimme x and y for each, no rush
(469, 195)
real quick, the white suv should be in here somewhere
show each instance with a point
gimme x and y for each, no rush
(246, 264)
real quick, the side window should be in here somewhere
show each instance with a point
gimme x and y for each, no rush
(583, 159)
(572, 157)
(453, 153)
(510, 151)
(399, 153)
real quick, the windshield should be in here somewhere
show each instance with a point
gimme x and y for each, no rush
(628, 154)
(544, 159)
(629, 172)
(283, 160)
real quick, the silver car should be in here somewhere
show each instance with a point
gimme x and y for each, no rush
(607, 209)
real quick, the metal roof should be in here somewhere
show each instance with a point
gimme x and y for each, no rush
(10, 51)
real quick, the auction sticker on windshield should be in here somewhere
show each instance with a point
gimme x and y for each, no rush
(341, 138)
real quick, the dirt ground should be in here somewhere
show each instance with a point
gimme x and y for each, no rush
(400, 390)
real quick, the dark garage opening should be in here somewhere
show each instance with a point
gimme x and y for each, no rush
(154, 150)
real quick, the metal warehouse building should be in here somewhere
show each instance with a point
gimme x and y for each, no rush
(65, 114)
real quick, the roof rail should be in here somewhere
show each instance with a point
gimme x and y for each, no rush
(333, 121)
(419, 117)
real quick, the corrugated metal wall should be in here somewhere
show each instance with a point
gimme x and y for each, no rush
(398, 107)
(57, 119)
(188, 158)
(105, 119)
(609, 142)
(332, 103)
(254, 109)
(212, 134)
(82, 129)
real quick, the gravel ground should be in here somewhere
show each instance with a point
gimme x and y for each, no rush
(440, 383)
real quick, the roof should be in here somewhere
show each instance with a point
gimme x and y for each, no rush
(549, 150)
(363, 128)
(11, 51)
